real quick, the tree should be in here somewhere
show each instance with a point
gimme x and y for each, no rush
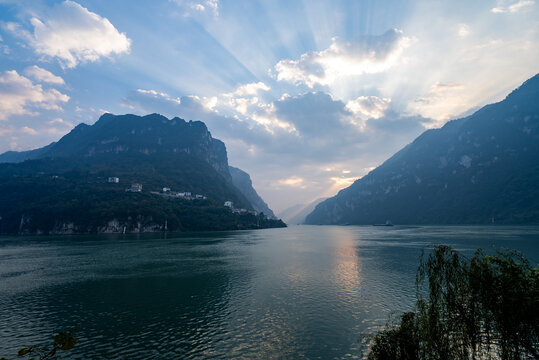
(480, 308)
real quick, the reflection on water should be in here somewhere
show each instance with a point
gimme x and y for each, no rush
(300, 292)
(346, 272)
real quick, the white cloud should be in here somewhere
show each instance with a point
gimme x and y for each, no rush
(293, 181)
(73, 34)
(201, 6)
(18, 95)
(463, 30)
(251, 89)
(368, 106)
(58, 126)
(144, 102)
(503, 7)
(42, 75)
(365, 55)
(28, 130)
(444, 101)
(342, 182)
(4, 48)
(159, 95)
(242, 99)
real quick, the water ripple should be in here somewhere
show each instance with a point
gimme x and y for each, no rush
(302, 292)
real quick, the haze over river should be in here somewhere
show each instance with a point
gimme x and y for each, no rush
(300, 292)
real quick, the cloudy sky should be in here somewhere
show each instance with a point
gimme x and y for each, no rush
(307, 95)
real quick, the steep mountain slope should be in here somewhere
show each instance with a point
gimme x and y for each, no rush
(148, 134)
(65, 188)
(243, 182)
(475, 170)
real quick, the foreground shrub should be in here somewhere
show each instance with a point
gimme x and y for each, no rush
(486, 307)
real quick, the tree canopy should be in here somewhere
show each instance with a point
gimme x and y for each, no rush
(486, 307)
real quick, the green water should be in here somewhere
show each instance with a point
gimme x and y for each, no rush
(301, 292)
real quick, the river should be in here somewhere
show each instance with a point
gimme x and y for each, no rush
(313, 292)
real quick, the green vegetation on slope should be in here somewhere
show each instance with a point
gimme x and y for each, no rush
(46, 195)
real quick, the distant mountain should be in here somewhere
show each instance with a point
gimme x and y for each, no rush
(65, 186)
(20, 156)
(295, 215)
(290, 212)
(480, 169)
(243, 182)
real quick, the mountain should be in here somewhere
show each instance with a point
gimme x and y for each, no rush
(20, 156)
(65, 188)
(243, 182)
(290, 212)
(148, 134)
(296, 214)
(480, 169)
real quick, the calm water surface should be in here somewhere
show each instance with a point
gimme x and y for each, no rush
(303, 292)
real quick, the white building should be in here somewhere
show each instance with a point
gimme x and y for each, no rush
(229, 204)
(114, 180)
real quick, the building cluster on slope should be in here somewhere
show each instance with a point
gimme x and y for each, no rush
(135, 188)
(229, 204)
(166, 192)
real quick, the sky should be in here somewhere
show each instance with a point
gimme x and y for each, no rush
(308, 96)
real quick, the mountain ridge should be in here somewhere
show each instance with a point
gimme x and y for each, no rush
(243, 182)
(473, 170)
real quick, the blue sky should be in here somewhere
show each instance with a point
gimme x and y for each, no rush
(307, 95)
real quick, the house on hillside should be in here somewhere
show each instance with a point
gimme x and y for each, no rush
(135, 187)
(114, 180)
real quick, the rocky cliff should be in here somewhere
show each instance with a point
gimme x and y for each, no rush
(243, 182)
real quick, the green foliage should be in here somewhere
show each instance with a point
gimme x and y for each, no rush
(40, 196)
(399, 341)
(63, 341)
(486, 307)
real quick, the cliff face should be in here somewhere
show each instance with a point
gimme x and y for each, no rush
(243, 182)
(480, 169)
(150, 134)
